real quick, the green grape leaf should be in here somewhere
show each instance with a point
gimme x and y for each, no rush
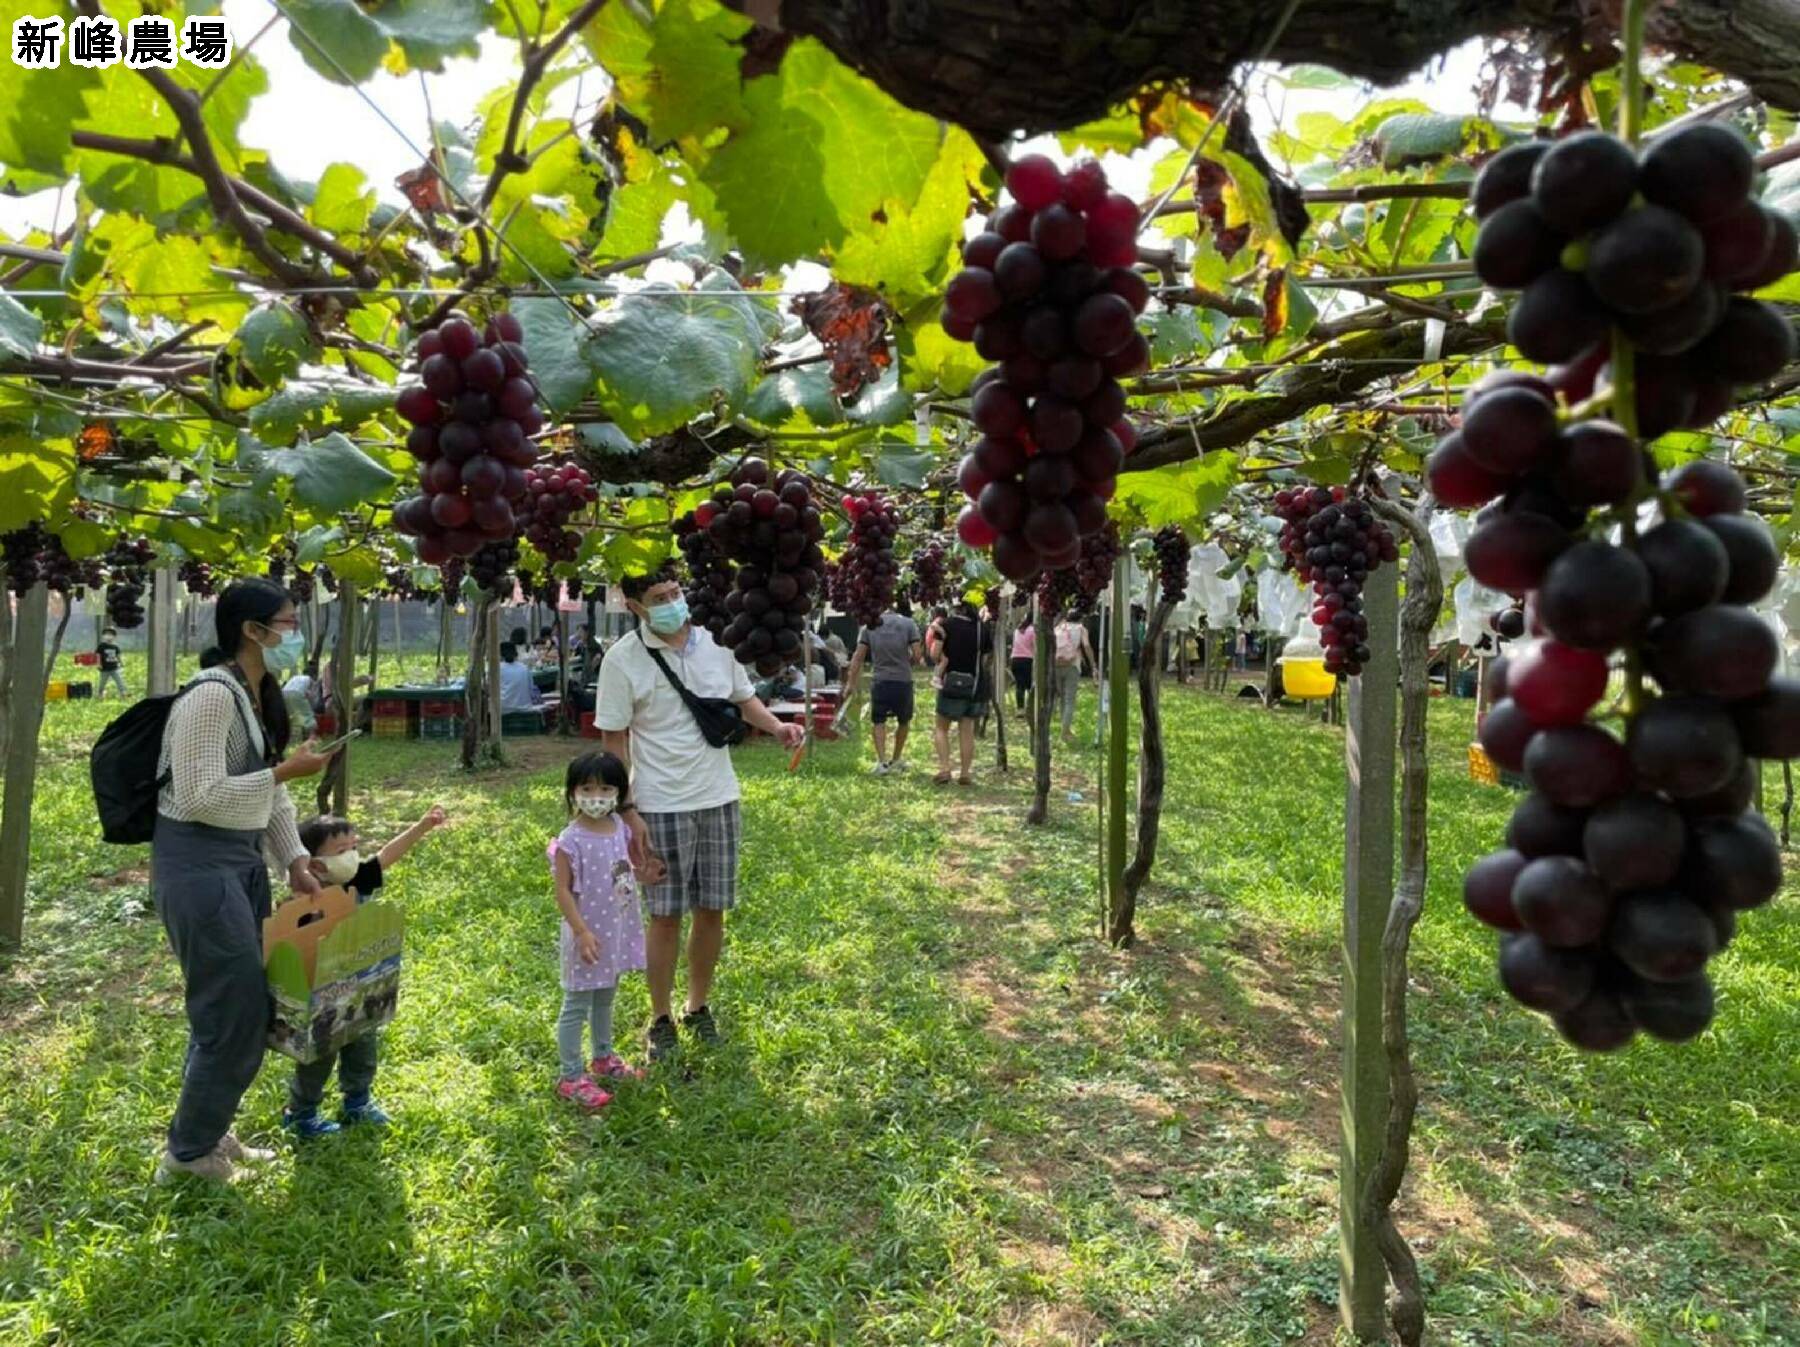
(804, 392)
(883, 403)
(340, 203)
(556, 344)
(695, 53)
(36, 477)
(328, 474)
(312, 406)
(20, 328)
(911, 247)
(41, 106)
(429, 31)
(930, 358)
(336, 38)
(1247, 201)
(1178, 493)
(309, 547)
(357, 565)
(663, 356)
(904, 469)
(1419, 137)
(274, 341)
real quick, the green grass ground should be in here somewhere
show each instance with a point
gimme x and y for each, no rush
(945, 1112)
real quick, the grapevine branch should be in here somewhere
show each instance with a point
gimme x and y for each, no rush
(1151, 770)
(1418, 614)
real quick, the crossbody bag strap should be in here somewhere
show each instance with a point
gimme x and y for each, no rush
(688, 698)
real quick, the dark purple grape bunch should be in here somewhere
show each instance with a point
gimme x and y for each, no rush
(1655, 244)
(473, 412)
(1099, 554)
(128, 563)
(710, 576)
(1334, 542)
(554, 494)
(929, 573)
(452, 573)
(1172, 550)
(198, 579)
(872, 570)
(1059, 594)
(19, 552)
(769, 527)
(1048, 292)
(33, 554)
(492, 564)
(1627, 865)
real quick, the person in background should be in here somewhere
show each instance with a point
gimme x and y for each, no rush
(302, 695)
(965, 639)
(1072, 646)
(518, 690)
(685, 840)
(332, 844)
(546, 652)
(112, 665)
(520, 640)
(222, 807)
(1024, 651)
(892, 648)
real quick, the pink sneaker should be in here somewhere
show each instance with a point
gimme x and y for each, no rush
(614, 1067)
(583, 1093)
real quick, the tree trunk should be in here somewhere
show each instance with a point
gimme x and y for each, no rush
(443, 646)
(6, 662)
(997, 68)
(1045, 651)
(477, 732)
(1152, 770)
(333, 793)
(1113, 676)
(56, 642)
(26, 716)
(1418, 615)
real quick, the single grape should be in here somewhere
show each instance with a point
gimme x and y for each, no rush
(1687, 564)
(1752, 561)
(1662, 935)
(1543, 976)
(1510, 430)
(1019, 271)
(1680, 326)
(1557, 318)
(1634, 842)
(972, 294)
(1732, 862)
(1104, 324)
(1541, 827)
(1512, 552)
(1707, 486)
(1784, 248)
(1487, 890)
(1578, 766)
(1683, 746)
(1506, 177)
(1647, 259)
(1703, 170)
(1058, 232)
(1672, 1011)
(982, 250)
(1554, 683)
(1721, 651)
(1561, 901)
(1768, 723)
(1506, 732)
(1599, 1024)
(1595, 596)
(1457, 480)
(1752, 341)
(1516, 245)
(1597, 463)
(1738, 241)
(1583, 181)
(1035, 181)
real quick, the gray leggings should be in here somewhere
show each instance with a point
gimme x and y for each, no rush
(595, 1009)
(1068, 686)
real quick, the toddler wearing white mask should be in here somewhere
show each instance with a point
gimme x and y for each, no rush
(332, 844)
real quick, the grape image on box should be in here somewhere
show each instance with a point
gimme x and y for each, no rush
(1627, 864)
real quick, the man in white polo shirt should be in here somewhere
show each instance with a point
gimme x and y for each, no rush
(685, 790)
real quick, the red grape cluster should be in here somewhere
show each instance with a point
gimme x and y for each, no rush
(553, 494)
(771, 528)
(1059, 592)
(198, 579)
(1049, 293)
(473, 412)
(710, 578)
(1334, 542)
(871, 571)
(1597, 236)
(1626, 866)
(1172, 552)
(928, 574)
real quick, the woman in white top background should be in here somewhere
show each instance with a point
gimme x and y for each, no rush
(223, 805)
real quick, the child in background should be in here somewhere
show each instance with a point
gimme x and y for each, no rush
(602, 925)
(332, 843)
(111, 665)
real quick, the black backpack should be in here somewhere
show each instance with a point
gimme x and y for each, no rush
(122, 767)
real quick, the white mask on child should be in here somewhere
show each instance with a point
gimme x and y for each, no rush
(599, 804)
(341, 868)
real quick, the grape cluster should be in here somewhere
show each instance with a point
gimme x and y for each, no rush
(19, 554)
(1049, 293)
(1099, 553)
(473, 414)
(397, 582)
(62, 574)
(1059, 592)
(553, 494)
(770, 527)
(301, 585)
(837, 586)
(1334, 542)
(1626, 866)
(1172, 552)
(871, 571)
(710, 579)
(491, 565)
(127, 563)
(1597, 237)
(198, 579)
(928, 574)
(452, 572)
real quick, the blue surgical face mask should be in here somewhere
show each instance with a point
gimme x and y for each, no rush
(285, 655)
(668, 618)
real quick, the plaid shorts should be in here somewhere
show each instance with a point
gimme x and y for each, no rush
(700, 847)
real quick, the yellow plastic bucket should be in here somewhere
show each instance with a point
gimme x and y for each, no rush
(57, 691)
(1306, 678)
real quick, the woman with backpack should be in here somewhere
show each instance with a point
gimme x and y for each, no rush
(221, 806)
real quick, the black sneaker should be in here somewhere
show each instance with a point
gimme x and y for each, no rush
(661, 1042)
(700, 1024)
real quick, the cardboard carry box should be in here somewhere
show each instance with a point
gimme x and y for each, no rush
(334, 971)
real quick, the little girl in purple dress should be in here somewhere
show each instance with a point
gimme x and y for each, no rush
(602, 925)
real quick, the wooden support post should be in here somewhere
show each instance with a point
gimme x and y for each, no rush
(27, 714)
(493, 671)
(1043, 627)
(333, 795)
(1118, 743)
(1002, 638)
(162, 631)
(1369, 743)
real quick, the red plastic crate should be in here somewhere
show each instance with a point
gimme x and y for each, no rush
(439, 710)
(389, 708)
(326, 726)
(87, 659)
(588, 729)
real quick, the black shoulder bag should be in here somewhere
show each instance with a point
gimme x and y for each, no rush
(721, 723)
